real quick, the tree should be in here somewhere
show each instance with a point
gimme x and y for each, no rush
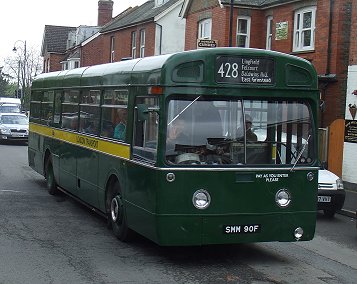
(3, 84)
(22, 68)
(6, 87)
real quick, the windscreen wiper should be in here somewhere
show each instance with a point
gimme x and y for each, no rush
(183, 110)
(300, 153)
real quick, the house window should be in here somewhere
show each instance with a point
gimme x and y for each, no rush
(160, 2)
(133, 45)
(243, 31)
(76, 64)
(112, 52)
(304, 29)
(65, 65)
(204, 29)
(269, 32)
(142, 43)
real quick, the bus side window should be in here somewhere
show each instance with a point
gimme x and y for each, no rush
(120, 122)
(89, 112)
(35, 106)
(146, 130)
(114, 114)
(70, 109)
(57, 108)
(47, 108)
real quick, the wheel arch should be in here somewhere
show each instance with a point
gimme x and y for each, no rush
(46, 157)
(112, 179)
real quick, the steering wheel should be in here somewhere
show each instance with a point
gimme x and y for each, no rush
(188, 158)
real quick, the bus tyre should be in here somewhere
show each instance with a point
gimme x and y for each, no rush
(117, 217)
(50, 179)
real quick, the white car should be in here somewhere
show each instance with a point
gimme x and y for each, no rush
(331, 194)
(14, 127)
(10, 105)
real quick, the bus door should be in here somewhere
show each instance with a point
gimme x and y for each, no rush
(68, 152)
(87, 175)
(87, 156)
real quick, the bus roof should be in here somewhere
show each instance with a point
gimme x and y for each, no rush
(194, 67)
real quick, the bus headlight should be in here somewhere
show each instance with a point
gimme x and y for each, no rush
(283, 198)
(201, 199)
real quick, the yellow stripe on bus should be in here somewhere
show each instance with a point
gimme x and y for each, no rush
(88, 142)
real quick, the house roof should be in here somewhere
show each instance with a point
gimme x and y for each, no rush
(257, 3)
(140, 14)
(55, 39)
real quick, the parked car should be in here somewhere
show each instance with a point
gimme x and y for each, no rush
(331, 194)
(14, 127)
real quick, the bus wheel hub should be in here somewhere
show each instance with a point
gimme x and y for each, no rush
(115, 208)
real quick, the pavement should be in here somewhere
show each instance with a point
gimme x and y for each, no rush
(350, 206)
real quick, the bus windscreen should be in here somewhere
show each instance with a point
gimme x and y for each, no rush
(237, 132)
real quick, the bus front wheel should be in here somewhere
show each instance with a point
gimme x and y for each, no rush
(116, 214)
(50, 179)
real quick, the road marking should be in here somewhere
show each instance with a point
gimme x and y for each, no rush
(9, 190)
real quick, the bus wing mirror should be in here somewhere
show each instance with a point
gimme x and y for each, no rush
(143, 112)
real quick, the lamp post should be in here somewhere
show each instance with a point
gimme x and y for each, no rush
(21, 68)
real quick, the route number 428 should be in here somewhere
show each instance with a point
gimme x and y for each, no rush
(228, 70)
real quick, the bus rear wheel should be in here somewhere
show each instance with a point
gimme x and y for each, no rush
(116, 214)
(50, 178)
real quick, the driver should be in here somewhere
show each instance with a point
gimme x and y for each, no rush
(251, 136)
(175, 132)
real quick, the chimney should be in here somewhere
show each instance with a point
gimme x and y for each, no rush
(105, 11)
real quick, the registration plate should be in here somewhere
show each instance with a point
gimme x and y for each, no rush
(324, 199)
(242, 229)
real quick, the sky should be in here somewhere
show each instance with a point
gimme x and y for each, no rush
(25, 20)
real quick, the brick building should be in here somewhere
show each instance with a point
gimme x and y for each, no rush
(61, 45)
(54, 47)
(318, 31)
(150, 29)
(350, 139)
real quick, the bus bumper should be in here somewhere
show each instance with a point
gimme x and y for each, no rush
(234, 228)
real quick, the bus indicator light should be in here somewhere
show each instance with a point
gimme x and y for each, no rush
(155, 90)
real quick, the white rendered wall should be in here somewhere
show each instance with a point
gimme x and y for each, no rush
(349, 168)
(173, 32)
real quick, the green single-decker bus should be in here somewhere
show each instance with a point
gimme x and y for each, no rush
(210, 146)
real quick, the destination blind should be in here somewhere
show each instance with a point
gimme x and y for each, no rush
(245, 70)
